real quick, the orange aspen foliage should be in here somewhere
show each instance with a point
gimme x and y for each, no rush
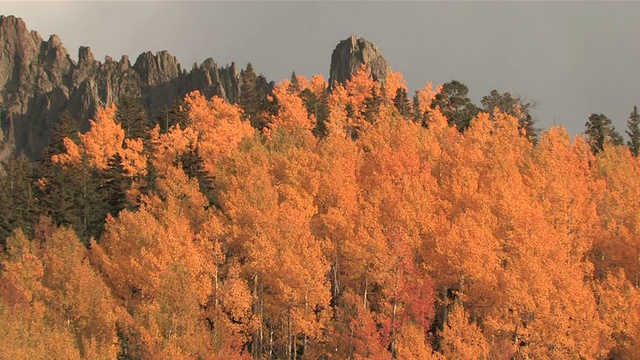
(86, 303)
(392, 83)
(219, 127)
(164, 271)
(360, 85)
(104, 140)
(413, 345)
(618, 301)
(270, 202)
(47, 299)
(338, 101)
(618, 245)
(168, 147)
(462, 339)
(426, 96)
(333, 247)
(291, 110)
(318, 85)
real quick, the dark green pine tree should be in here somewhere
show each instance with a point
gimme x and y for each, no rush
(514, 106)
(132, 116)
(600, 132)
(294, 87)
(193, 166)
(266, 108)
(319, 107)
(633, 131)
(171, 115)
(19, 207)
(7, 220)
(69, 196)
(253, 99)
(249, 97)
(372, 106)
(402, 103)
(351, 130)
(418, 116)
(65, 127)
(90, 200)
(149, 181)
(115, 184)
(455, 104)
(58, 188)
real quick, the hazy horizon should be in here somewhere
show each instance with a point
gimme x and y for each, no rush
(573, 58)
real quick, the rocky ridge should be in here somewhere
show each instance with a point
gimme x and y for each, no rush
(38, 80)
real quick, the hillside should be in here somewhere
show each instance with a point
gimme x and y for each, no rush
(315, 221)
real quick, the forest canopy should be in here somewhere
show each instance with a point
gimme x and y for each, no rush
(323, 223)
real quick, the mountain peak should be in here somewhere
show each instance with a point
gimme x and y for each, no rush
(350, 54)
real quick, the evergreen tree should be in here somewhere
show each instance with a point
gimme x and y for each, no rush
(514, 106)
(600, 132)
(90, 200)
(455, 104)
(57, 188)
(193, 166)
(418, 116)
(115, 184)
(174, 114)
(254, 91)
(249, 98)
(131, 115)
(267, 104)
(294, 87)
(319, 108)
(372, 106)
(65, 127)
(19, 208)
(633, 131)
(402, 102)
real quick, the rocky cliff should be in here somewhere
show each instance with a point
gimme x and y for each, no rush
(350, 54)
(38, 80)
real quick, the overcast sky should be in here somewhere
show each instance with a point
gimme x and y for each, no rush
(573, 58)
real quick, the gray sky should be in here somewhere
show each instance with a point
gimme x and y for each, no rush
(573, 58)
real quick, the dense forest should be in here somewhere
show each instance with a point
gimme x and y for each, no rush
(308, 222)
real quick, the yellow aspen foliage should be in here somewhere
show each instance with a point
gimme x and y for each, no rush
(338, 121)
(47, 299)
(86, 303)
(318, 85)
(168, 147)
(360, 85)
(618, 301)
(219, 127)
(73, 155)
(392, 83)
(104, 140)
(414, 345)
(426, 96)
(462, 339)
(291, 110)
(380, 238)
(618, 243)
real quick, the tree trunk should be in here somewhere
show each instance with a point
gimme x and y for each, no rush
(255, 341)
(364, 297)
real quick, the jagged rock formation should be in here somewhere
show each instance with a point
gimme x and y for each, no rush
(350, 54)
(38, 80)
